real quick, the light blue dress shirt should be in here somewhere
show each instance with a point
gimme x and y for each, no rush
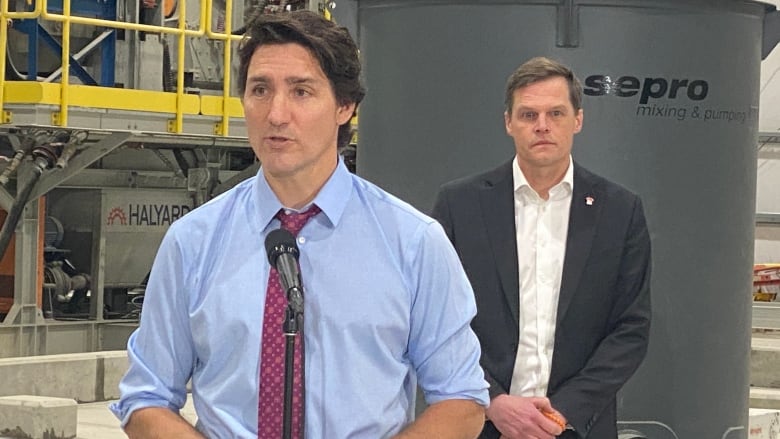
(387, 305)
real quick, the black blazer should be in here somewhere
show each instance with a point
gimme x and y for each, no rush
(603, 319)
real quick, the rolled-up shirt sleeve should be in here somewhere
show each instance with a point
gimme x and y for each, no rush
(160, 352)
(443, 348)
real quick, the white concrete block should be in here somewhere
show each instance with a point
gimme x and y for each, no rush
(38, 417)
(764, 424)
(114, 366)
(765, 398)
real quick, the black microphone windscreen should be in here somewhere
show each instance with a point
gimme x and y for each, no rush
(280, 241)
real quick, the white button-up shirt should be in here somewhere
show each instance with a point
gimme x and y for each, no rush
(541, 227)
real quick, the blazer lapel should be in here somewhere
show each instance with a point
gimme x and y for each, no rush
(583, 217)
(498, 212)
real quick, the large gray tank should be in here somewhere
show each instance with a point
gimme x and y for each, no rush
(681, 132)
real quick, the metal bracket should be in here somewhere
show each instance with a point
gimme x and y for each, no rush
(568, 24)
(79, 162)
(771, 33)
(767, 219)
(56, 118)
(8, 117)
(171, 125)
(236, 179)
(766, 315)
(6, 199)
(218, 128)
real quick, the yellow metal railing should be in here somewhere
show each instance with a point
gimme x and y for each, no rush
(222, 128)
(5, 16)
(3, 42)
(40, 10)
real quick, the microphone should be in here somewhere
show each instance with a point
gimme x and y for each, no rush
(283, 255)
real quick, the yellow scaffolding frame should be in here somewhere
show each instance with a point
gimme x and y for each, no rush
(226, 106)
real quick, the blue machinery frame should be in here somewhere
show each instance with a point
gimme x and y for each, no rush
(106, 41)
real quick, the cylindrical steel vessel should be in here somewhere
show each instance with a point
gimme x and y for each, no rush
(672, 90)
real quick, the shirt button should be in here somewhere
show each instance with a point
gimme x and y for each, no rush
(301, 240)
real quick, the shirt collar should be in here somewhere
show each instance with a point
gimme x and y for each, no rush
(332, 198)
(520, 181)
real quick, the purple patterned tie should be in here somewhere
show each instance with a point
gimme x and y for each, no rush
(271, 407)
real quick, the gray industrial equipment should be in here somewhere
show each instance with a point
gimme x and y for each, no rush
(118, 230)
(670, 112)
(117, 162)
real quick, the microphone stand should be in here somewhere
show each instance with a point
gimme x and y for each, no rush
(293, 317)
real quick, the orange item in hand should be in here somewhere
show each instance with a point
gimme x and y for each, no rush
(555, 418)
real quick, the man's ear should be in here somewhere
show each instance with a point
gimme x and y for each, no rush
(345, 112)
(578, 121)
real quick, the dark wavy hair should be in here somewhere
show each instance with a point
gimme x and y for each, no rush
(329, 43)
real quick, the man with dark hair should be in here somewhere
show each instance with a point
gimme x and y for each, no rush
(559, 259)
(387, 304)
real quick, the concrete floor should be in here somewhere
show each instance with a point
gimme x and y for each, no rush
(97, 422)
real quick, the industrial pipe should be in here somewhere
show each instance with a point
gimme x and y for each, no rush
(28, 142)
(44, 157)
